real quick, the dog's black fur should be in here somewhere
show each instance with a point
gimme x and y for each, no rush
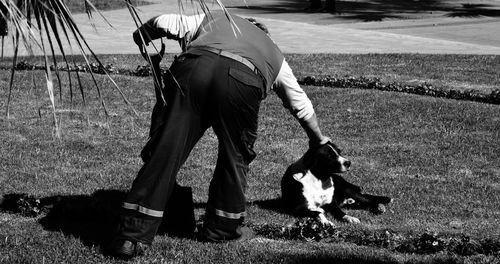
(311, 186)
(349, 196)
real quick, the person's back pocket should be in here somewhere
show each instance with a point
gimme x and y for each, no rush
(247, 78)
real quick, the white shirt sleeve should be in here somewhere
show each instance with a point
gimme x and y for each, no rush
(177, 26)
(291, 94)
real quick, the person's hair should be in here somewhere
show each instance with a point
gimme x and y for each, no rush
(258, 24)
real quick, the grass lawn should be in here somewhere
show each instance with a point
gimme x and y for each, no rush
(437, 158)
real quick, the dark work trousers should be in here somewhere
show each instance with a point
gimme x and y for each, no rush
(214, 91)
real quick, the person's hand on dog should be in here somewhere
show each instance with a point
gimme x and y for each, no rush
(319, 142)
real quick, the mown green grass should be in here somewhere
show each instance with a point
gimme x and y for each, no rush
(437, 158)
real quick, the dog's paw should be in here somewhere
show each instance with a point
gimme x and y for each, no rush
(329, 223)
(324, 221)
(350, 219)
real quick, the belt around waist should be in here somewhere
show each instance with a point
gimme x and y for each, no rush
(233, 56)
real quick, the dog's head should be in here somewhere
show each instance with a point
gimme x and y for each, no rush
(326, 160)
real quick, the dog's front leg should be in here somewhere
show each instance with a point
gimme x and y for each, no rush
(322, 218)
(319, 214)
(334, 209)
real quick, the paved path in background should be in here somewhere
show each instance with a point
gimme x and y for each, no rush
(436, 35)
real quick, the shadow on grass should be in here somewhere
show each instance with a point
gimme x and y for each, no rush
(275, 204)
(93, 218)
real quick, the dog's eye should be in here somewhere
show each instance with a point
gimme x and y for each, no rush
(338, 150)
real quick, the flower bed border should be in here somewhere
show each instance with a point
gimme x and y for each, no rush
(420, 89)
(325, 81)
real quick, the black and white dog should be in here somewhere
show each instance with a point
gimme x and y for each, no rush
(311, 186)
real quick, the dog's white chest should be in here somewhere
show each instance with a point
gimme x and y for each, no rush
(315, 191)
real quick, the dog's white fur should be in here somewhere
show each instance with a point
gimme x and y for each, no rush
(317, 192)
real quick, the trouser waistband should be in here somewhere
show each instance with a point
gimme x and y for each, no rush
(237, 58)
(233, 56)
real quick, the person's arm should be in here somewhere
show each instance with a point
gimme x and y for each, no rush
(311, 127)
(296, 101)
(172, 26)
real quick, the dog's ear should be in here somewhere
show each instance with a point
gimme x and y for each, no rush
(326, 153)
(310, 157)
(324, 150)
(316, 155)
(321, 155)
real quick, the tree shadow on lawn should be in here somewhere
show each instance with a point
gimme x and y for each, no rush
(94, 218)
(91, 218)
(375, 10)
(475, 10)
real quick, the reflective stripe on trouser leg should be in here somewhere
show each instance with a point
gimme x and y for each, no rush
(222, 225)
(142, 209)
(224, 214)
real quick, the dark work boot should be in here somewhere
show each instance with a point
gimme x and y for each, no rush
(218, 236)
(126, 249)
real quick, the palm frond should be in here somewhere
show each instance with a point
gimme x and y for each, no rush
(4, 27)
(37, 24)
(15, 39)
(51, 17)
(138, 23)
(89, 8)
(47, 25)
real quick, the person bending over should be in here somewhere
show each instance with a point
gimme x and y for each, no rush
(219, 80)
